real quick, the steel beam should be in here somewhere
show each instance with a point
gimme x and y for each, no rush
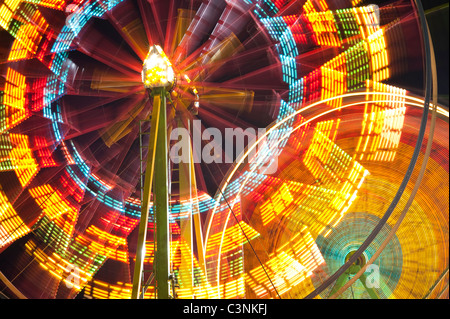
(161, 202)
(340, 282)
(146, 196)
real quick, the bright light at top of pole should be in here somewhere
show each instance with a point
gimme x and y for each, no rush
(157, 70)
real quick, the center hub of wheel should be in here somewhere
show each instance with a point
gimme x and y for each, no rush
(157, 70)
(360, 262)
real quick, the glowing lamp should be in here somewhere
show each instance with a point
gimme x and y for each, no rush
(157, 70)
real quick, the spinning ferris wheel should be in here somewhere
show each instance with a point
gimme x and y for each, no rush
(342, 172)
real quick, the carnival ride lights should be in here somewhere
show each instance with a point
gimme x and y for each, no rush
(342, 133)
(157, 71)
(158, 76)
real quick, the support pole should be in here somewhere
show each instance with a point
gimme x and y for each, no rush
(340, 282)
(157, 167)
(372, 293)
(161, 202)
(145, 199)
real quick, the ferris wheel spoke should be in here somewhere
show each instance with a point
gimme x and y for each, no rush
(113, 157)
(117, 65)
(160, 11)
(132, 29)
(109, 50)
(73, 144)
(143, 8)
(129, 167)
(170, 33)
(112, 124)
(125, 123)
(173, 38)
(254, 80)
(111, 91)
(229, 67)
(206, 59)
(202, 25)
(104, 84)
(232, 25)
(104, 79)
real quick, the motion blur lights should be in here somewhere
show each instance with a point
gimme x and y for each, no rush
(194, 108)
(360, 262)
(157, 70)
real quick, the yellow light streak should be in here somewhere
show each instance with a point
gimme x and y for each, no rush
(7, 9)
(14, 99)
(52, 203)
(58, 267)
(21, 156)
(12, 226)
(415, 102)
(158, 71)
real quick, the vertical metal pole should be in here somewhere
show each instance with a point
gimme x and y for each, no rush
(145, 203)
(161, 203)
(372, 293)
(340, 282)
(185, 183)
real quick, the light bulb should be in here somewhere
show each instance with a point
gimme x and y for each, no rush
(157, 69)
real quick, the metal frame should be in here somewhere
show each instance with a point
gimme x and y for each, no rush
(156, 175)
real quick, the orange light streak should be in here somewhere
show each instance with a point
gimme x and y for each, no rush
(12, 226)
(239, 161)
(21, 156)
(14, 99)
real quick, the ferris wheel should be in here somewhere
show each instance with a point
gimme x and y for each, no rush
(275, 135)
